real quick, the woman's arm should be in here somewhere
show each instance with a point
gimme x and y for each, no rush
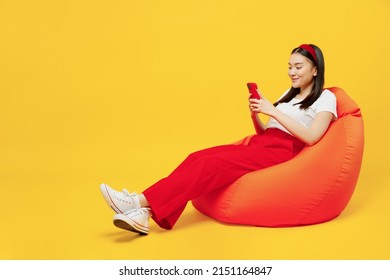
(257, 123)
(309, 135)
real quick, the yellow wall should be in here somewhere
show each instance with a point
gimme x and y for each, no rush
(120, 91)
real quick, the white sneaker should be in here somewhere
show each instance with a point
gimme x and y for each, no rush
(136, 220)
(120, 202)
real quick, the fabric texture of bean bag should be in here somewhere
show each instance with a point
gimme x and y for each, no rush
(313, 187)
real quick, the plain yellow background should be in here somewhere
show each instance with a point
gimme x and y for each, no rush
(121, 91)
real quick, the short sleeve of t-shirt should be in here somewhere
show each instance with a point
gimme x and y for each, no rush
(326, 103)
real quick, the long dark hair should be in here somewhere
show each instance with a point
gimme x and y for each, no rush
(319, 80)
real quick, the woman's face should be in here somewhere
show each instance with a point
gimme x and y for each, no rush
(301, 71)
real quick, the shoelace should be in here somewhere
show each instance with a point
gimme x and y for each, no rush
(137, 212)
(127, 193)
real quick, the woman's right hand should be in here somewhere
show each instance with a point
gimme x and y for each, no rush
(253, 104)
(254, 109)
(261, 105)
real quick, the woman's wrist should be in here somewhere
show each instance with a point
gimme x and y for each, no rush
(275, 114)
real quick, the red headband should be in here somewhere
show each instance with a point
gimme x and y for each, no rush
(311, 50)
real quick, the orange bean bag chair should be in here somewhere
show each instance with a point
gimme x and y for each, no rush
(313, 187)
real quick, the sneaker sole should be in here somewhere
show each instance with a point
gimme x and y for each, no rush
(131, 225)
(108, 199)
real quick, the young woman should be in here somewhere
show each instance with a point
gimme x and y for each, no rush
(300, 117)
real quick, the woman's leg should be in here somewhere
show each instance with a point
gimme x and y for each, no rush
(205, 171)
(137, 218)
(124, 201)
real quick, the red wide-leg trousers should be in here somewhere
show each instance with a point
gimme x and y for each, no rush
(217, 167)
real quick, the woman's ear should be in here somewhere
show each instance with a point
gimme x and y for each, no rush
(315, 71)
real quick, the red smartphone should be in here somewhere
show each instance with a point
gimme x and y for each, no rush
(252, 87)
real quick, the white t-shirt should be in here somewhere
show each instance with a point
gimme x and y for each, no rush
(325, 103)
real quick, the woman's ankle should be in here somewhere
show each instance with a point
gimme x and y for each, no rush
(143, 201)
